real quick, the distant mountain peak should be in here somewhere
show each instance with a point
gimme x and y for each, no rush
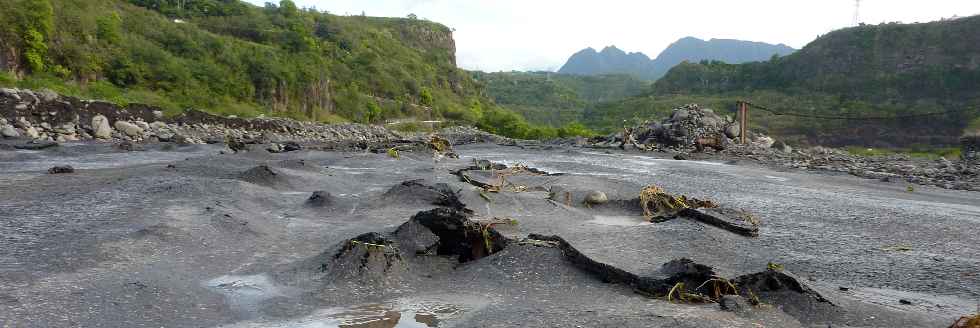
(612, 49)
(612, 60)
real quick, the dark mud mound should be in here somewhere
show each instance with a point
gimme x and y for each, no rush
(421, 192)
(663, 282)
(734, 220)
(788, 291)
(683, 280)
(369, 257)
(264, 175)
(659, 206)
(384, 259)
(495, 177)
(458, 236)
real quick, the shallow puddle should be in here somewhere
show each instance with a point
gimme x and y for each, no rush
(619, 220)
(383, 316)
(371, 316)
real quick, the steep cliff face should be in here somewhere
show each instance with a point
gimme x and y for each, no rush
(9, 56)
(428, 37)
(232, 57)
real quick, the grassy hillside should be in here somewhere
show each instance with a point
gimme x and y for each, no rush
(556, 99)
(230, 57)
(888, 70)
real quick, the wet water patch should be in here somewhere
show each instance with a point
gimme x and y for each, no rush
(245, 293)
(398, 314)
(780, 179)
(619, 220)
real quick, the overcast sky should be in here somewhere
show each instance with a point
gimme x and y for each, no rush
(495, 35)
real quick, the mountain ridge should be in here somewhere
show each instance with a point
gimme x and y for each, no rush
(887, 71)
(612, 60)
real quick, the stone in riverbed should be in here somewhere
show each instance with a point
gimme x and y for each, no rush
(61, 169)
(129, 129)
(38, 145)
(596, 197)
(9, 132)
(734, 303)
(101, 128)
(142, 125)
(32, 132)
(320, 198)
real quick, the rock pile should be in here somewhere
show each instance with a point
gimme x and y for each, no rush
(689, 128)
(44, 116)
(686, 125)
(942, 172)
(47, 116)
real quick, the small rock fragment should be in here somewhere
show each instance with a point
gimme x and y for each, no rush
(61, 169)
(734, 303)
(320, 198)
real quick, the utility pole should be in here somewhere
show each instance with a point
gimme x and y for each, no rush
(743, 117)
(857, 12)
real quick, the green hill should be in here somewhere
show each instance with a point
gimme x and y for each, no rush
(556, 99)
(889, 70)
(230, 57)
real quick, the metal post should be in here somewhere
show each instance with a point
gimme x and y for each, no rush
(742, 121)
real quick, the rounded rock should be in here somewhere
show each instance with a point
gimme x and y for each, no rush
(8, 131)
(100, 127)
(596, 197)
(128, 128)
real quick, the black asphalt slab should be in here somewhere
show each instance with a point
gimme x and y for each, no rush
(190, 237)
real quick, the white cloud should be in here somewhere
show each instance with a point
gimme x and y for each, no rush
(494, 35)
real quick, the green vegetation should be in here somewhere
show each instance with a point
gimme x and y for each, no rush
(888, 70)
(229, 57)
(917, 151)
(557, 100)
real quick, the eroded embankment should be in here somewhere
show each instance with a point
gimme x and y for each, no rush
(451, 231)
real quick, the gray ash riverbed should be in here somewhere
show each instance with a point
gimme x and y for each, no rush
(185, 236)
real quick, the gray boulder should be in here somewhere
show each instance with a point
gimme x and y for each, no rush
(22, 123)
(732, 131)
(100, 127)
(8, 131)
(142, 125)
(47, 95)
(32, 133)
(157, 125)
(129, 129)
(596, 197)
